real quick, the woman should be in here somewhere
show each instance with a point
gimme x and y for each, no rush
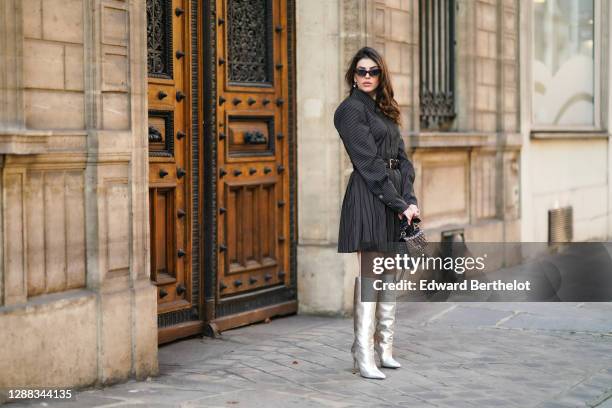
(379, 193)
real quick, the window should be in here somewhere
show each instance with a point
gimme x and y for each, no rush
(437, 43)
(564, 70)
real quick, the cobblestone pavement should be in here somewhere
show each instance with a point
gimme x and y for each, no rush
(454, 355)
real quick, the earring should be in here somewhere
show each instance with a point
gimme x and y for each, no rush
(355, 84)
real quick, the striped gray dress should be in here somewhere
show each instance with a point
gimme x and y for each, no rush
(375, 194)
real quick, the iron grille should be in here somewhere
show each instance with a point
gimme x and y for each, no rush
(159, 38)
(437, 58)
(250, 41)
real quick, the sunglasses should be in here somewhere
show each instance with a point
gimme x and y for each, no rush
(362, 72)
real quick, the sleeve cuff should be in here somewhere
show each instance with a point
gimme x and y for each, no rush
(412, 200)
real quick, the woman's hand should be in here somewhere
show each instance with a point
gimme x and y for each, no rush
(411, 212)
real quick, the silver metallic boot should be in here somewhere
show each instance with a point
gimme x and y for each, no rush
(385, 315)
(363, 346)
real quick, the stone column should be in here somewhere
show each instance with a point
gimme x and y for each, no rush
(116, 187)
(323, 275)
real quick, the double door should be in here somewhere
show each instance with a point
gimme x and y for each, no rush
(244, 155)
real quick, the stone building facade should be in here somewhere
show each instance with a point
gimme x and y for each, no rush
(468, 168)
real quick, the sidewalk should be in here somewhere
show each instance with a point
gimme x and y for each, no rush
(453, 355)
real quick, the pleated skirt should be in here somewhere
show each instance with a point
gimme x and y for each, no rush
(366, 223)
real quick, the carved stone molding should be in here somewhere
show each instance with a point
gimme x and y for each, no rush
(463, 139)
(23, 142)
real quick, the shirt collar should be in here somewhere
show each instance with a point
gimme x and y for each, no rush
(364, 97)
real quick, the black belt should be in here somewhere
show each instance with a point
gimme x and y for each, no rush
(392, 163)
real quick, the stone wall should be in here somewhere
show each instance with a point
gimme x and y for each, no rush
(571, 173)
(74, 220)
(318, 91)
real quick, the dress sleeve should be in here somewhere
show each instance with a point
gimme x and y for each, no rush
(407, 171)
(351, 122)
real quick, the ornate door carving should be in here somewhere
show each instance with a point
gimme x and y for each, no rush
(169, 160)
(253, 180)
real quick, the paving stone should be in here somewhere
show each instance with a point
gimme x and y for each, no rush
(554, 355)
(556, 405)
(607, 403)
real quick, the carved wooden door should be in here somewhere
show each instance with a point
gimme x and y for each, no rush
(252, 157)
(169, 163)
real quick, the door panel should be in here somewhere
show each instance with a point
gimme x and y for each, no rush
(250, 136)
(252, 259)
(169, 152)
(252, 152)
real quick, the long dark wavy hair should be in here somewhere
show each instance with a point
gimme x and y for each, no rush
(384, 92)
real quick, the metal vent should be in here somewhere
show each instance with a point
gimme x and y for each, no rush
(560, 225)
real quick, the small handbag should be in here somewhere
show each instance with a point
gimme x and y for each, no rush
(413, 236)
